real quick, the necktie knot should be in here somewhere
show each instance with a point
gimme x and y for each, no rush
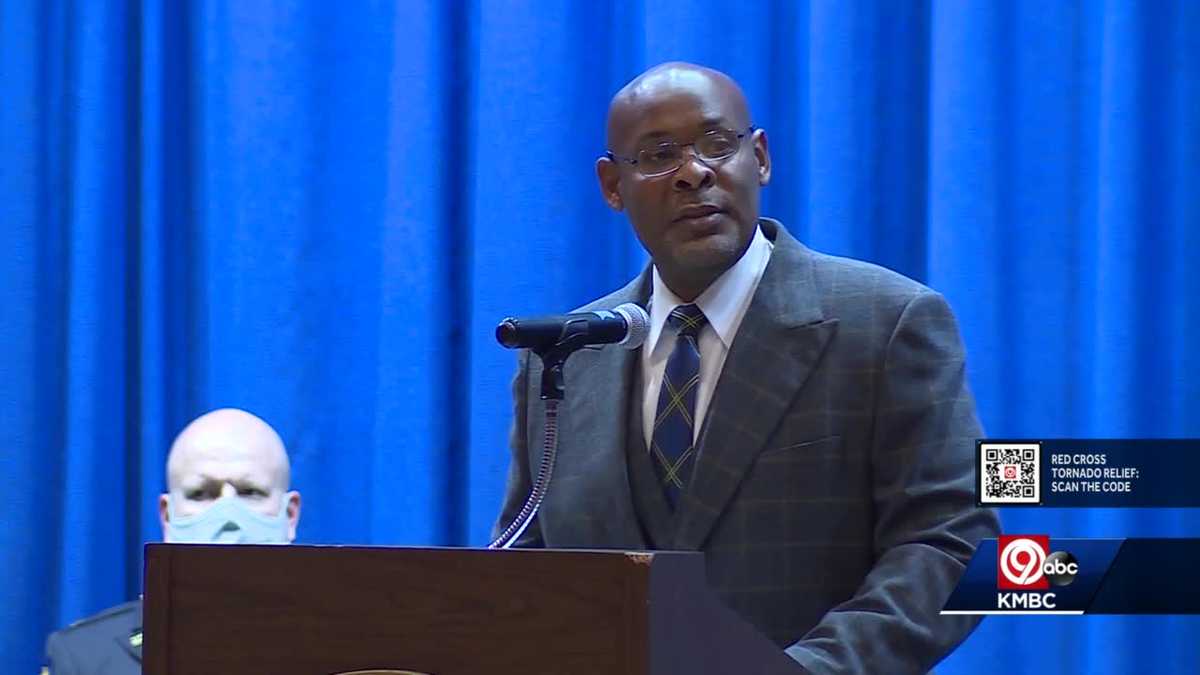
(687, 319)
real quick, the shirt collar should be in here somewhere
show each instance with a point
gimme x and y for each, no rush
(723, 302)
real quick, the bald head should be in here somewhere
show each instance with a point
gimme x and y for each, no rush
(229, 436)
(635, 99)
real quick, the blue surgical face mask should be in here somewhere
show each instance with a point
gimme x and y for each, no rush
(227, 521)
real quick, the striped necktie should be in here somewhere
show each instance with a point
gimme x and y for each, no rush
(671, 443)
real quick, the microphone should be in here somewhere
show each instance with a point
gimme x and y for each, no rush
(626, 325)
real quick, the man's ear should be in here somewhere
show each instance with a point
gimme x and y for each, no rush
(609, 175)
(163, 513)
(292, 504)
(763, 156)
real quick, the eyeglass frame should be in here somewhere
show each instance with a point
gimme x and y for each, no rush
(633, 161)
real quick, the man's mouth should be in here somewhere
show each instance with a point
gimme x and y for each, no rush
(697, 211)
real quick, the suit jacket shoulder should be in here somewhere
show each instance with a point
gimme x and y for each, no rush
(848, 288)
(846, 278)
(871, 303)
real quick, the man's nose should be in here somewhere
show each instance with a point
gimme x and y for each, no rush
(694, 174)
(228, 490)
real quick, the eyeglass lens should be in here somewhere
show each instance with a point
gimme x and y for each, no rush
(668, 156)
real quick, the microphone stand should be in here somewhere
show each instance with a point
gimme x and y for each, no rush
(553, 357)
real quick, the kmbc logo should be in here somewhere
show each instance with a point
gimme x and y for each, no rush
(1021, 562)
(1025, 563)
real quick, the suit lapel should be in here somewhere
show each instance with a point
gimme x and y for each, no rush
(592, 428)
(780, 341)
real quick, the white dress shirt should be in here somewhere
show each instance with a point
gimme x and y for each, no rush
(724, 303)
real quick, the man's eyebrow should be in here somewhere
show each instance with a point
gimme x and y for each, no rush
(237, 481)
(652, 136)
(707, 124)
(191, 485)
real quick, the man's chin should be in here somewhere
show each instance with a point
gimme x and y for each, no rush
(710, 247)
(706, 255)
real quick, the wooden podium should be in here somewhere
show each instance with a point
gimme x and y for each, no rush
(320, 610)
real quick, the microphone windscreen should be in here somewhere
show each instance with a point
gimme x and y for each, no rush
(638, 323)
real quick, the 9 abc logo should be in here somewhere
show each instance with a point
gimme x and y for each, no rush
(1025, 563)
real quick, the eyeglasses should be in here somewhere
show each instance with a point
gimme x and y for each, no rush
(666, 157)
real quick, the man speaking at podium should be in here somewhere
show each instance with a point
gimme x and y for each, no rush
(802, 419)
(227, 482)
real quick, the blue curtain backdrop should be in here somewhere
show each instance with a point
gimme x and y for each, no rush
(318, 211)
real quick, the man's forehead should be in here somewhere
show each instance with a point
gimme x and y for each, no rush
(227, 452)
(224, 459)
(675, 97)
(208, 470)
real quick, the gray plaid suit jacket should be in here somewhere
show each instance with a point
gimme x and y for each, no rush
(833, 490)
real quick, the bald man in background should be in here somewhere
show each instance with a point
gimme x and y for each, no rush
(227, 482)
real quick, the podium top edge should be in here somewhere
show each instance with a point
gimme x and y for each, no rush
(635, 555)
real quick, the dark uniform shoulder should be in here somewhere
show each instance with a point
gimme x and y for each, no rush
(112, 613)
(109, 642)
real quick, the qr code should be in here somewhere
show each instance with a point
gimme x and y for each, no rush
(1010, 473)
